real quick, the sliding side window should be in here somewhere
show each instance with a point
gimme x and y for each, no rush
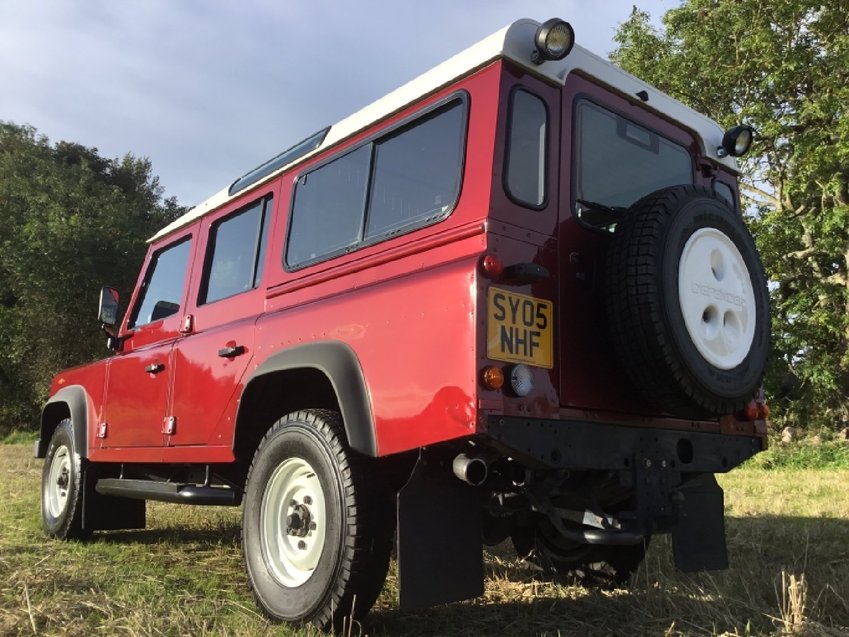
(400, 181)
(328, 209)
(417, 173)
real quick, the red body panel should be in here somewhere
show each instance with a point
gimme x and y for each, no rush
(413, 308)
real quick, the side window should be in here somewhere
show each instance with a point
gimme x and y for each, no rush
(235, 257)
(725, 191)
(327, 213)
(405, 179)
(524, 174)
(162, 289)
(416, 172)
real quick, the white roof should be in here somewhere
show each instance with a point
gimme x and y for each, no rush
(514, 42)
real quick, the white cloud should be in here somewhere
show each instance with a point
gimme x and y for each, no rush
(209, 89)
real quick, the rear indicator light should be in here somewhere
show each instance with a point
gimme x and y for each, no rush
(493, 378)
(492, 266)
(763, 411)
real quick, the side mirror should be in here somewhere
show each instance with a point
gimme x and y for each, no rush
(108, 310)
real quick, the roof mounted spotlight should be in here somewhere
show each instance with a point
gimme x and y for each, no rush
(736, 141)
(553, 40)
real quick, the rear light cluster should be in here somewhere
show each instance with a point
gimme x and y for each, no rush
(521, 379)
(492, 266)
(756, 410)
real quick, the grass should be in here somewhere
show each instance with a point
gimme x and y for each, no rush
(830, 454)
(19, 437)
(788, 539)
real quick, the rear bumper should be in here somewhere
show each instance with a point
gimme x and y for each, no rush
(576, 445)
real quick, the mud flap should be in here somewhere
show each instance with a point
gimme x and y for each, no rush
(698, 539)
(440, 551)
(106, 512)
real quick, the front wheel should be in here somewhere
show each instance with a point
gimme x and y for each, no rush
(316, 534)
(62, 486)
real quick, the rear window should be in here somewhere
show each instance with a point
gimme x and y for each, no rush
(395, 183)
(618, 162)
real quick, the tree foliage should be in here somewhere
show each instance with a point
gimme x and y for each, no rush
(72, 221)
(783, 67)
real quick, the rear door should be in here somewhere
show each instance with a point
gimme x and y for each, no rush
(613, 152)
(225, 301)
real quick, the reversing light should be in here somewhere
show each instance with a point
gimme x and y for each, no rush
(521, 380)
(493, 378)
(553, 40)
(736, 141)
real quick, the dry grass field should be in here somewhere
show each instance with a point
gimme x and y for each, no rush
(788, 538)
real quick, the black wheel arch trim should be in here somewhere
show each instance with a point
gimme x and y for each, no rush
(75, 400)
(339, 363)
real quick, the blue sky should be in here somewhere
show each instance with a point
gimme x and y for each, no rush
(209, 89)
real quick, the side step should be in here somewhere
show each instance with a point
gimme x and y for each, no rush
(169, 492)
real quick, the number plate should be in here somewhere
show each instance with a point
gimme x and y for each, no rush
(519, 328)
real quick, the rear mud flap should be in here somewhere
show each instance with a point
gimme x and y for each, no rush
(698, 539)
(440, 551)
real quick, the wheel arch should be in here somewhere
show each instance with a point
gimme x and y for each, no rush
(324, 374)
(69, 402)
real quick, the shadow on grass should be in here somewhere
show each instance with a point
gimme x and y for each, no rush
(747, 598)
(212, 537)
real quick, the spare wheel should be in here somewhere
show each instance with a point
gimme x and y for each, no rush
(687, 303)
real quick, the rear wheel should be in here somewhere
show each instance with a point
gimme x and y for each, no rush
(565, 560)
(316, 533)
(62, 486)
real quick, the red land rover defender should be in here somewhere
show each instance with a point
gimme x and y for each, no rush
(512, 299)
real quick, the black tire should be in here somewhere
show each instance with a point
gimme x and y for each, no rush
(62, 486)
(567, 562)
(687, 360)
(302, 463)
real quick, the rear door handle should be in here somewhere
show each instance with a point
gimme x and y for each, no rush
(154, 368)
(231, 351)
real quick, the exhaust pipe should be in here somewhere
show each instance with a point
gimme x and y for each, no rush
(470, 469)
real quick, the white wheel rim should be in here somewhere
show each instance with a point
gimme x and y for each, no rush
(293, 522)
(717, 299)
(58, 481)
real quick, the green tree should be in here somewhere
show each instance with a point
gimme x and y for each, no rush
(783, 67)
(72, 221)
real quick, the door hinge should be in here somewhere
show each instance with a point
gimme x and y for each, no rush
(188, 324)
(169, 425)
(101, 430)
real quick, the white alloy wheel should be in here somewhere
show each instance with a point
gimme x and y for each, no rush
(58, 482)
(293, 522)
(717, 298)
